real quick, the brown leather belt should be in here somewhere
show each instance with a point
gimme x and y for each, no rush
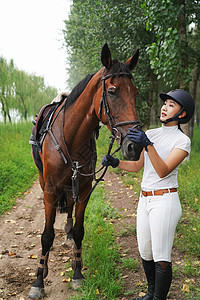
(158, 192)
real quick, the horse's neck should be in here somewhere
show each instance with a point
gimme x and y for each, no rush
(82, 119)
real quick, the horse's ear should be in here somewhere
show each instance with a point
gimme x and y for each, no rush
(132, 61)
(106, 58)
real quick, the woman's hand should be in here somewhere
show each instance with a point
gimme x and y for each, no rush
(139, 136)
(109, 160)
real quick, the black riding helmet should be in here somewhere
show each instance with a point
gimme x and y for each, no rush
(186, 102)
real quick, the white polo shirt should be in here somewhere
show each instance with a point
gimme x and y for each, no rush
(165, 139)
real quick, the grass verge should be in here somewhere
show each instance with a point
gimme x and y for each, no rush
(100, 252)
(17, 170)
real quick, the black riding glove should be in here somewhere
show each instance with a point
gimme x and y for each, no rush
(139, 136)
(109, 160)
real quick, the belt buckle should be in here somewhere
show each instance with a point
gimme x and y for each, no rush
(145, 193)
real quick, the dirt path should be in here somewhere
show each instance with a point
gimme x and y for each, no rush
(20, 232)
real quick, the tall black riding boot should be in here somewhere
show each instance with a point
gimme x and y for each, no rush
(149, 269)
(163, 279)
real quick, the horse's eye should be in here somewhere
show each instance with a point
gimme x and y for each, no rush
(112, 90)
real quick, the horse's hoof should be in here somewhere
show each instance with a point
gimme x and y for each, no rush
(36, 293)
(76, 283)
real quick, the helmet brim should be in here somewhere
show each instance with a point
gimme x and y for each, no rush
(165, 96)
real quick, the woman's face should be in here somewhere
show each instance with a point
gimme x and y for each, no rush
(169, 109)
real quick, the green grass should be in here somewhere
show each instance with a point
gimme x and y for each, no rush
(129, 230)
(187, 237)
(129, 264)
(100, 252)
(17, 170)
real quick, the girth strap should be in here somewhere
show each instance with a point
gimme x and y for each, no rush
(57, 146)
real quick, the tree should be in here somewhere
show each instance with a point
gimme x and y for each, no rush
(6, 87)
(161, 29)
(22, 92)
(170, 53)
(121, 24)
(194, 41)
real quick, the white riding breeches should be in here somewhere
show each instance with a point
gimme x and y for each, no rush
(157, 218)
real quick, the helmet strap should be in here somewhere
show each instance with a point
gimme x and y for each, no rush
(174, 118)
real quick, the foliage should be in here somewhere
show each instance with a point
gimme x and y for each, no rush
(121, 24)
(24, 93)
(17, 170)
(188, 233)
(95, 22)
(168, 54)
(103, 143)
(171, 53)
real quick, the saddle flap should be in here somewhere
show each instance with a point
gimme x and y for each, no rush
(42, 116)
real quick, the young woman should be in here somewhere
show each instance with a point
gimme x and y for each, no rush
(159, 208)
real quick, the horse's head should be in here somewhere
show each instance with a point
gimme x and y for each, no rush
(117, 107)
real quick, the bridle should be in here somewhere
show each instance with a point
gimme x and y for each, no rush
(113, 126)
(104, 103)
(75, 167)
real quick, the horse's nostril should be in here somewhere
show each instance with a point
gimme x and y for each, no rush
(130, 147)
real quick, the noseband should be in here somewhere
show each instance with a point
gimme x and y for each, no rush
(104, 103)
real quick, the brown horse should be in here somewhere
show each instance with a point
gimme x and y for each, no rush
(69, 155)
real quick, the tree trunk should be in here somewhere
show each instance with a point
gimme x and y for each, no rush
(8, 113)
(198, 115)
(194, 90)
(157, 104)
(183, 45)
(149, 100)
(24, 106)
(148, 111)
(3, 110)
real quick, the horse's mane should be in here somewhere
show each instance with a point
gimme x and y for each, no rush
(118, 67)
(78, 89)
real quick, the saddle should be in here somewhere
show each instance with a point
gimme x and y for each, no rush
(43, 120)
(40, 128)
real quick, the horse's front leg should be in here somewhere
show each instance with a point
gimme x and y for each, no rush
(78, 234)
(37, 289)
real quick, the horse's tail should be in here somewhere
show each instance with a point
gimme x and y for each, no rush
(62, 203)
(36, 150)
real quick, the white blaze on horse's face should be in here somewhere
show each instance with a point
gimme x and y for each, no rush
(113, 88)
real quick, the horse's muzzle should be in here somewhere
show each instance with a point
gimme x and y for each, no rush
(130, 150)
